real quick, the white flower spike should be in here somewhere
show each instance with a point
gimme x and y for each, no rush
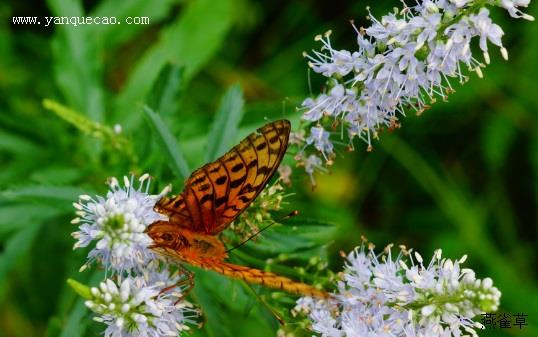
(379, 295)
(134, 308)
(117, 223)
(402, 62)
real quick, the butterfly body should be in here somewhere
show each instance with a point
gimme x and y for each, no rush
(187, 245)
(208, 252)
(213, 197)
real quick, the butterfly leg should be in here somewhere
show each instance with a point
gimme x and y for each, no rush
(189, 281)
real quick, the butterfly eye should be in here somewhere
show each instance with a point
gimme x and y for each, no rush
(167, 237)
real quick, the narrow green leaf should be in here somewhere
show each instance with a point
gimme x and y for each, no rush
(81, 289)
(111, 36)
(77, 63)
(190, 41)
(75, 325)
(73, 117)
(164, 95)
(497, 137)
(176, 160)
(20, 215)
(18, 245)
(54, 327)
(57, 175)
(61, 196)
(226, 123)
(16, 144)
(221, 304)
(88, 126)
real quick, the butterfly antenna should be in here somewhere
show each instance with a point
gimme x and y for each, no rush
(290, 215)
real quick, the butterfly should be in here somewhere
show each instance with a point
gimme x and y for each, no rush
(213, 197)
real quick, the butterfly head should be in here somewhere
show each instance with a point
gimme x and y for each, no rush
(165, 234)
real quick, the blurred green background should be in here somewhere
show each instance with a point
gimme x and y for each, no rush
(462, 177)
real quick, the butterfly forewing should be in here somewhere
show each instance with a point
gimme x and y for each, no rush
(176, 210)
(215, 194)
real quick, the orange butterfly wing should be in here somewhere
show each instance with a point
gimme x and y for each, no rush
(215, 194)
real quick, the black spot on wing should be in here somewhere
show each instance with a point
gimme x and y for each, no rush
(246, 189)
(220, 201)
(221, 180)
(274, 151)
(232, 157)
(204, 187)
(238, 182)
(237, 167)
(206, 198)
(263, 170)
(244, 199)
(199, 180)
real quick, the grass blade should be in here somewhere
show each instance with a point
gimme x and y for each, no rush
(17, 245)
(59, 196)
(226, 123)
(164, 95)
(190, 41)
(177, 162)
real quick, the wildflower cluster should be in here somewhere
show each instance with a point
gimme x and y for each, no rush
(403, 62)
(379, 295)
(133, 301)
(260, 211)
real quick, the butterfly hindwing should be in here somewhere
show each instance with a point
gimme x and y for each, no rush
(215, 194)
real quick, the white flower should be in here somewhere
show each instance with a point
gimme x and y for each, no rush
(382, 295)
(117, 224)
(134, 308)
(512, 7)
(311, 164)
(403, 61)
(320, 138)
(487, 30)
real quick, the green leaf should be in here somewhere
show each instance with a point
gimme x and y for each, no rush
(190, 42)
(112, 35)
(54, 327)
(224, 300)
(176, 160)
(76, 322)
(497, 137)
(20, 215)
(81, 289)
(296, 235)
(57, 175)
(75, 326)
(87, 126)
(226, 123)
(17, 144)
(166, 90)
(78, 65)
(17, 245)
(61, 196)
